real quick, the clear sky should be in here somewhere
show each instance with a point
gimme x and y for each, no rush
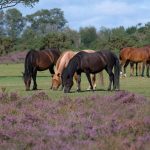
(108, 13)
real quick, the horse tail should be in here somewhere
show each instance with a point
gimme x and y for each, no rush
(117, 73)
(28, 61)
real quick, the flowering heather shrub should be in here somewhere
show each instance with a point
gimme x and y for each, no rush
(120, 121)
(15, 57)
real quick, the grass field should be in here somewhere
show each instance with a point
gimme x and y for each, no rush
(117, 121)
(11, 79)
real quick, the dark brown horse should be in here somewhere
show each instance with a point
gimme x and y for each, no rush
(39, 61)
(91, 63)
(136, 55)
(62, 63)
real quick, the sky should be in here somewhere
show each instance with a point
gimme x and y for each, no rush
(97, 13)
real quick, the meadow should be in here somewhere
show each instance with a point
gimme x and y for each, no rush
(51, 120)
(11, 80)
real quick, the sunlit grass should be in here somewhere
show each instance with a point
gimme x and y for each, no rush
(11, 79)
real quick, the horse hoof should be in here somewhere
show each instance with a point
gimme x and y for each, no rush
(78, 90)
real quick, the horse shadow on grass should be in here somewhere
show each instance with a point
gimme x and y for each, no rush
(84, 91)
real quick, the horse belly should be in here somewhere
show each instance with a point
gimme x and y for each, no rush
(94, 66)
(139, 57)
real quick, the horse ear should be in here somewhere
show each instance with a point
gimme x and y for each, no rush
(58, 74)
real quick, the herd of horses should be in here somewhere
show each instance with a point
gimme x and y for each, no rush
(70, 64)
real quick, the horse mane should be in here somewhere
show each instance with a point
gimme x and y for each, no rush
(56, 52)
(75, 62)
(59, 59)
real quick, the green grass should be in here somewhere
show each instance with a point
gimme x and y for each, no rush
(11, 79)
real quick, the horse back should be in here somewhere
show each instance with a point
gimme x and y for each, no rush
(63, 61)
(125, 53)
(134, 54)
(97, 61)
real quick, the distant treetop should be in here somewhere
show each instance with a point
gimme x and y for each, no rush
(11, 3)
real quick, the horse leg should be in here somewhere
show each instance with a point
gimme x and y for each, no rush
(140, 68)
(147, 73)
(93, 82)
(121, 64)
(89, 79)
(143, 68)
(136, 64)
(51, 70)
(126, 64)
(79, 82)
(111, 78)
(131, 69)
(76, 77)
(34, 80)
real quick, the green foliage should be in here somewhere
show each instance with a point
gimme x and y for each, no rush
(57, 40)
(6, 45)
(11, 3)
(14, 22)
(45, 21)
(2, 31)
(47, 28)
(88, 36)
(30, 40)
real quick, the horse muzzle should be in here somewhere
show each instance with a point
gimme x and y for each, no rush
(67, 90)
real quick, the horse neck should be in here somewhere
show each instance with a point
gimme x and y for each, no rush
(63, 61)
(73, 65)
(56, 54)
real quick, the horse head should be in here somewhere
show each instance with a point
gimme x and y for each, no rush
(56, 81)
(27, 80)
(67, 80)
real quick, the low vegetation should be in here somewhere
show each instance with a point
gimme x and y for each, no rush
(120, 121)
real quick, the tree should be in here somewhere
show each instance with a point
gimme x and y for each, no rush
(5, 45)
(30, 40)
(14, 23)
(45, 21)
(11, 3)
(103, 40)
(88, 36)
(73, 38)
(2, 29)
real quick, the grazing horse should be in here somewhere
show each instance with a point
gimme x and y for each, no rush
(136, 55)
(91, 63)
(62, 63)
(39, 61)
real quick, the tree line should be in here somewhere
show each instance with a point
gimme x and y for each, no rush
(49, 28)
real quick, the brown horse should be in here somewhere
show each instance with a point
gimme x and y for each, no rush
(39, 61)
(62, 63)
(92, 63)
(136, 55)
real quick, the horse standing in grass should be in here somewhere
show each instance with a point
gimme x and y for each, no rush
(39, 61)
(91, 63)
(136, 55)
(138, 68)
(62, 64)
